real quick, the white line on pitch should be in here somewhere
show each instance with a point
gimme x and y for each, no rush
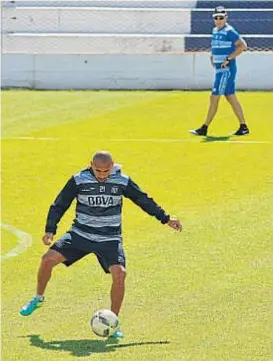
(154, 140)
(31, 138)
(188, 141)
(24, 241)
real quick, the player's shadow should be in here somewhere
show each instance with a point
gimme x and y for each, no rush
(209, 139)
(81, 348)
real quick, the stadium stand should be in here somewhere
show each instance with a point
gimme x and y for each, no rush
(95, 27)
(49, 32)
(253, 19)
(106, 3)
(128, 27)
(235, 4)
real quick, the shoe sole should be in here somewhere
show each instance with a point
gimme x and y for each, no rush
(238, 135)
(195, 133)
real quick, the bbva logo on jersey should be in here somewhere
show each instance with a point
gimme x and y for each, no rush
(105, 201)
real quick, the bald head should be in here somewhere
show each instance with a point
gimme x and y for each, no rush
(102, 156)
(102, 164)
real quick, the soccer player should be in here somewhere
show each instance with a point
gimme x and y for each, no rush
(226, 45)
(98, 190)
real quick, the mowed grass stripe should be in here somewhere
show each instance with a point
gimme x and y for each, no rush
(24, 111)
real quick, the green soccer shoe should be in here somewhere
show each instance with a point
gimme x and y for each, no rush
(27, 309)
(118, 334)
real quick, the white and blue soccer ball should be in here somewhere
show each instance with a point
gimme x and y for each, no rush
(104, 323)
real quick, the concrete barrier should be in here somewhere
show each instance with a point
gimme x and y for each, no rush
(107, 3)
(162, 71)
(91, 44)
(96, 20)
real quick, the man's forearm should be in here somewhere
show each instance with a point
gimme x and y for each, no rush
(239, 49)
(54, 215)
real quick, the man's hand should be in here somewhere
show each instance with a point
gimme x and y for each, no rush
(48, 238)
(225, 63)
(175, 224)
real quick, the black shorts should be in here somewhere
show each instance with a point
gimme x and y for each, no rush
(74, 247)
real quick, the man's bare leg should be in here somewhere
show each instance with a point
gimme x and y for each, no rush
(118, 287)
(49, 260)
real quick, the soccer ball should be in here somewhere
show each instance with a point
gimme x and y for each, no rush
(104, 323)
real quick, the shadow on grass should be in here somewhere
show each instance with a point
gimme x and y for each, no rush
(80, 348)
(215, 139)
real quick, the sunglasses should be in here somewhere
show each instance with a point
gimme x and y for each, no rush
(218, 17)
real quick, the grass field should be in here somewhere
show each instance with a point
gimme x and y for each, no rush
(202, 295)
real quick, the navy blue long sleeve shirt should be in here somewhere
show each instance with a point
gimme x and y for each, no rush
(99, 205)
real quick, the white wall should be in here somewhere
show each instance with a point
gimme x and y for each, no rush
(161, 71)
